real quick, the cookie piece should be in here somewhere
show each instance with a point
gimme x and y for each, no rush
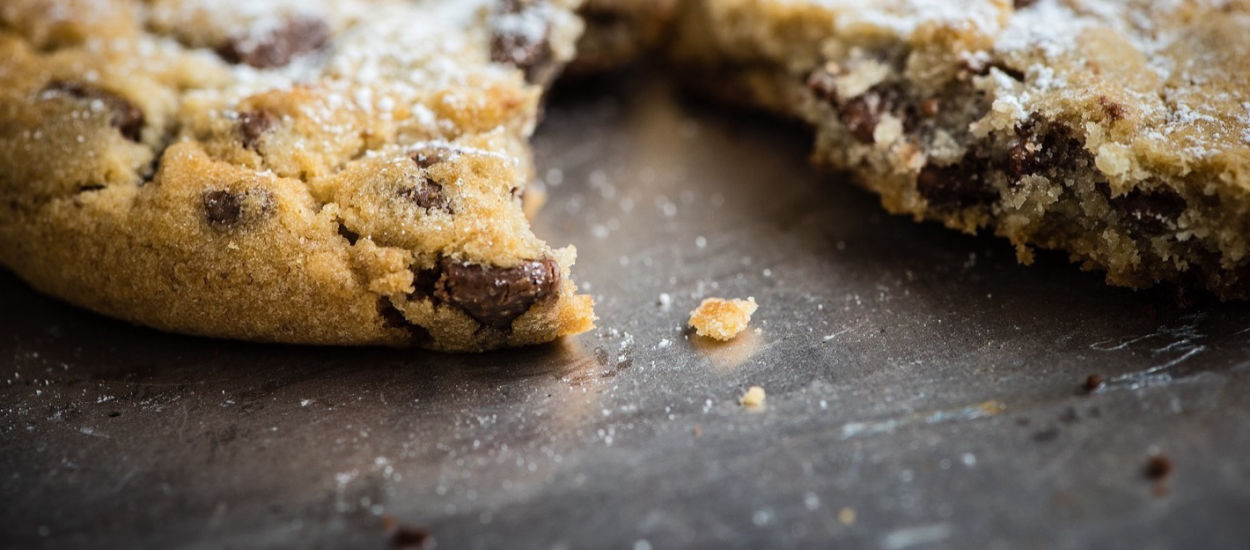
(1117, 131)
(326, 172)
(722, 319)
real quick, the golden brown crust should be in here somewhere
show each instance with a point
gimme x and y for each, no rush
(258, 173)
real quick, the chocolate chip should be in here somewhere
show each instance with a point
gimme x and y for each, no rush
(1041, 149)
(861, 116)
(253, 125)
(425, 193)
(496, 296)
(222, 208)
(1020, 4)
(430, 155)
(1154, 212)
(393, 318)
(520, 38)
(1158, 468)
(277, 46)
(959, 185)
(127, 118)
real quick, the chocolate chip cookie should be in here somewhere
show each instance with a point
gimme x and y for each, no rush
(1117, 131)
(328, 171)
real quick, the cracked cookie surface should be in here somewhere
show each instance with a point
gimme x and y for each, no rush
(1117, 131)
(329, 171)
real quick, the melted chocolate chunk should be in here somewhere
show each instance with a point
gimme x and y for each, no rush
(1154, 213)
(861, 116)
(521, 38)
(225, 209)
(496, 296)
(222, 208)
(958, 185)
(1040, 150)
(425, 193)
(127, 118)
(276, 47)
(1020, 4)
(253, 125)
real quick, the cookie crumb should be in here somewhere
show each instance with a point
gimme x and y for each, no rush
(753, 398)
(722, 319)
(846, 515)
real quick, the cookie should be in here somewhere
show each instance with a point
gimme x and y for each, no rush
(324, 172)
(1116, 131)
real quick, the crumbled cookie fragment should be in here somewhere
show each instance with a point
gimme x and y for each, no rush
(722, 319)
(253, 125)
(753, 398)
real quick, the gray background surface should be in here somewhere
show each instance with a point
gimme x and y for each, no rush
(918, 379)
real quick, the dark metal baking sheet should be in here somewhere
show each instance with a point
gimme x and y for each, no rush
(924, 390)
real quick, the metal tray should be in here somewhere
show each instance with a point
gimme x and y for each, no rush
(924, 390)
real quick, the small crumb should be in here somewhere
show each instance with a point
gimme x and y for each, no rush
(846, 515)
(722, 319)
(1094, 383)
(697, 430)
(753, 398)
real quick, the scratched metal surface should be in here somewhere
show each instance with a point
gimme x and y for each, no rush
(923, 389)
